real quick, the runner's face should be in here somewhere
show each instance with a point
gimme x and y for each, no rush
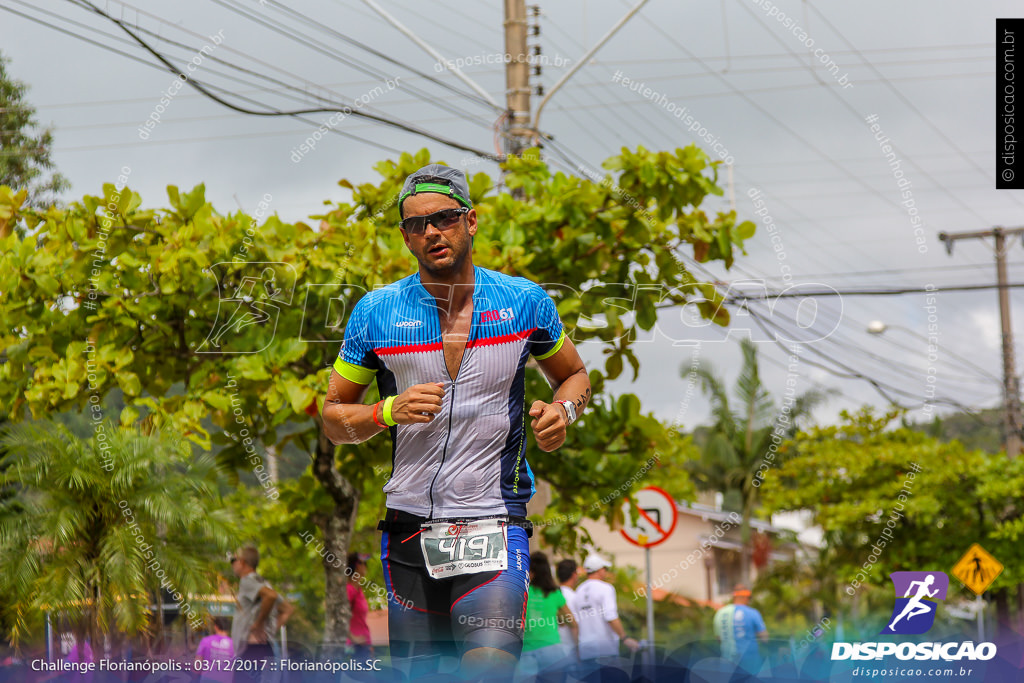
(440, 253)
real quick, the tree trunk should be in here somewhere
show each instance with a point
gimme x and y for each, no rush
(1002, 600)
(748, 511)
(337, 531)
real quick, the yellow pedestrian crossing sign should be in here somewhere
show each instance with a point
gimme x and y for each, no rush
(977, 569)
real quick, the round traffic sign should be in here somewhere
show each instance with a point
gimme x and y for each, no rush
(652, 519)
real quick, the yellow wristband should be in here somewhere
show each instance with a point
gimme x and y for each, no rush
(386, 412)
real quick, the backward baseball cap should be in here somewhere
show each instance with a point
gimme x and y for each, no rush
(439, 179)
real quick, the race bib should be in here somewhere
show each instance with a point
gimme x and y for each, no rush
(452, 549)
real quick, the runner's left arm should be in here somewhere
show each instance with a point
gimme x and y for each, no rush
(568, 377)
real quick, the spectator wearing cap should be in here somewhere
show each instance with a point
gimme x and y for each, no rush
(358, 629)
(601, 630)
(738, 627)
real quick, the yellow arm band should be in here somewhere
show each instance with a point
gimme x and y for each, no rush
(388, 420)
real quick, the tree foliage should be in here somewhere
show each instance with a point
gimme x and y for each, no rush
(243, 320)
(746, 434)
(857, 477)
(96, 527)
(26, 159)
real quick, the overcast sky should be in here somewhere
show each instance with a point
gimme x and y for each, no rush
(747, 73)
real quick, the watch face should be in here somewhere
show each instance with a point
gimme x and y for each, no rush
(570, 410)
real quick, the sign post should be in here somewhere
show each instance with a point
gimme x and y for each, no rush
(655, 513)
(977, 569)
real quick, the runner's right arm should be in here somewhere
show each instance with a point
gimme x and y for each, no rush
(348, 420)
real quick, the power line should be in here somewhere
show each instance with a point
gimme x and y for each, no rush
(768, 114)
(382, 55)
(858, 116)
(840, 370)
(785, 55)
(191, 81)
(833, 53)
(891, 271)
(351, 62)
(845, 371)
(274, 113)
(903, 98)
(867, 292)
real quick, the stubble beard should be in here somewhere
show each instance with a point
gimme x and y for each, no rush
(458, 261)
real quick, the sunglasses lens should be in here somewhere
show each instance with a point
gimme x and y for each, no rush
(415, 225)
(449, 218)
(444, 219)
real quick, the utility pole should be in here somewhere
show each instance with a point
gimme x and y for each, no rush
(1011, 393)
(517, 79)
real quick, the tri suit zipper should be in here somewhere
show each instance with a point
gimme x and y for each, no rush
(451, 405)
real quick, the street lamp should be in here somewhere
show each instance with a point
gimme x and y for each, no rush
(877, 328)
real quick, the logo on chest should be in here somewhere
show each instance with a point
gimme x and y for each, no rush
(409, 323)
(497, 315)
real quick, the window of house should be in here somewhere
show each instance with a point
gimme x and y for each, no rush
(728, 564)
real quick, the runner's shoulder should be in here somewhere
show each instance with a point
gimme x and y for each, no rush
(384, 295)
(519, 287)
(516, 281)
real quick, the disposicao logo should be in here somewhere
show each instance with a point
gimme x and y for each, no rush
(916, 596)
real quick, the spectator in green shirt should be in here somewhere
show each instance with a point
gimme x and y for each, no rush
(543, 652)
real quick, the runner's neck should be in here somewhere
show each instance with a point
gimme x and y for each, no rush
(451, 294)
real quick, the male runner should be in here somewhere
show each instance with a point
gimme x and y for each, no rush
(448, 347)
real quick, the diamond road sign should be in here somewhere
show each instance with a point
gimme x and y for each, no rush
(977, 569)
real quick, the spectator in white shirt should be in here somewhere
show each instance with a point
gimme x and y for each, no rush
(567, 573)
(600, 628)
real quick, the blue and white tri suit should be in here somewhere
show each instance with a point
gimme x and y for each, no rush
(468, 461)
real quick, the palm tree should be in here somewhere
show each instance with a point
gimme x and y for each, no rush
(734, 447)
(96, 527)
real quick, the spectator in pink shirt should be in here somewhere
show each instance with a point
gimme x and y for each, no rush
(81, 653)
(217, 648)
(358, 629)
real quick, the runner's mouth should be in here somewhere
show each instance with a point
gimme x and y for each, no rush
(438, 250)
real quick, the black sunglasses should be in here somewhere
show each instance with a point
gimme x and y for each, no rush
(445, 219)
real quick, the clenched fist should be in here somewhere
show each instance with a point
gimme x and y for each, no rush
(418, 403)
(549, 421)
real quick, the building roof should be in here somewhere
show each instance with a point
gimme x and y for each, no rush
(706, 512)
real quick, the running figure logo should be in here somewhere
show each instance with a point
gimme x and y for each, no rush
(258, 291)
(916, 596)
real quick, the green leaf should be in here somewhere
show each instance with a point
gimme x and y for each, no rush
(129, 415)
(299, 396)
(129, 383)
(613, 366)
(218, 400)
(745, 230)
